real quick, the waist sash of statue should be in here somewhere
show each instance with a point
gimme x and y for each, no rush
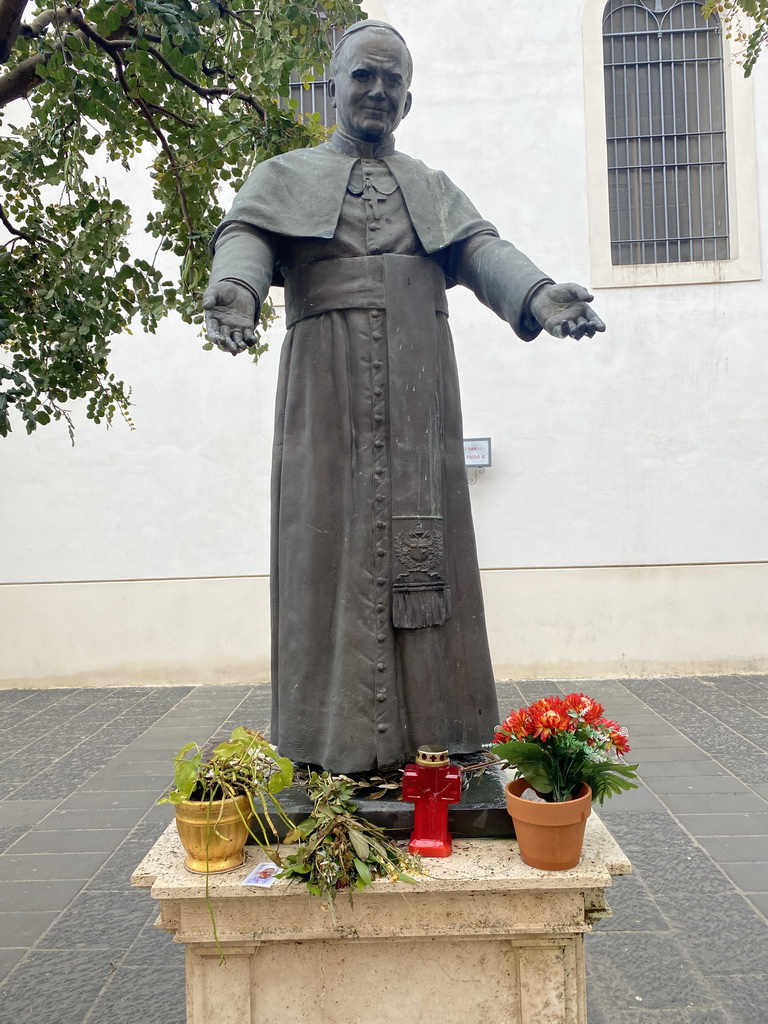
(411, 291)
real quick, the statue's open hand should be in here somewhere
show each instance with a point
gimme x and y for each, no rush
(230, 316)
(562, 311)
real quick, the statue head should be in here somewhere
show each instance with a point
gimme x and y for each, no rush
(371, 70)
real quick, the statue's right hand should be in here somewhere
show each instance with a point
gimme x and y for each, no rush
(230, 316)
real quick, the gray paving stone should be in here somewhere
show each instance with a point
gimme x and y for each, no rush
(160, 812)
(646, 966)
(24, 928)
(54, 866)
(91, 818)
(59, 989)
(10, 786)
(679, 769)
(748, 767)
(44, 786)
(640, 799)
(690, 872)
(148, 832)
(595, 1012)
(79, 841)
(739, 686)
(761, 788)
(115, 874)
(107, 799)
(711, 1015)
(685, 752)
(745, 996)
(657, 741)
(8, 960)
(138, 766)
(10, 835)
(99, 920)
(8, 698)
(153, 946)
(192, 720)
(24, 812)
(640, 828)
(760, 900)
(151, 995)
(722, 934)
(700, 803)
(725, 824)
(37, 699)
(704, 784)
(106, 783)
(38, 894)
(633, 909)
(742, 848)
(752, 877)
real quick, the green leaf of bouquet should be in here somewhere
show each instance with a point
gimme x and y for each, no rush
(363, 870)
(362, 849)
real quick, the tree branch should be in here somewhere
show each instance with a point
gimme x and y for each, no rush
(18, 233)
(11, 12)
(21, 80)
(205, 93)
(144, 107)
(36, 28)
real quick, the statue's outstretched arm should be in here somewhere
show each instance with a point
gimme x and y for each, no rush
(240, 278)
(506, 281)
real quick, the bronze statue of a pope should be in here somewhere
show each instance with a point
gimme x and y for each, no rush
(378, 631)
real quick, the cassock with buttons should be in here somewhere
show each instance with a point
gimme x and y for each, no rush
(379, 637)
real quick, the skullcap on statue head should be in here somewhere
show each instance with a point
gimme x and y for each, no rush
(377, 26)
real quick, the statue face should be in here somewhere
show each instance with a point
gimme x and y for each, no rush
(370, 90)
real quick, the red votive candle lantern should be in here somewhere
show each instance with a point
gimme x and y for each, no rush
(431, 785)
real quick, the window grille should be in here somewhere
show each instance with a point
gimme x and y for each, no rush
(665, 113)
(315, 98)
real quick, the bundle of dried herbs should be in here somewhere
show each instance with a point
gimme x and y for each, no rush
(338, 849)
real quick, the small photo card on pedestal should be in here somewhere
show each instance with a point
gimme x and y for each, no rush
(262, 874)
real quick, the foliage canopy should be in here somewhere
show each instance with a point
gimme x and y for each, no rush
(191, 86)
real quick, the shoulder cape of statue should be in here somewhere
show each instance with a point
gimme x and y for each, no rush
(300, 193)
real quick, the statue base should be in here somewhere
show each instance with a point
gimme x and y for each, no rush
(481, 937)
(482, 813)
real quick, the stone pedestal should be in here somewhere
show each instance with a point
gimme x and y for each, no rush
(482, 937)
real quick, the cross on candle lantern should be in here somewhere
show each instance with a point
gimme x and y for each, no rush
(431, 784)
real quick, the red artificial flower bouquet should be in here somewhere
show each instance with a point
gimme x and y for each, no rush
(558, 743)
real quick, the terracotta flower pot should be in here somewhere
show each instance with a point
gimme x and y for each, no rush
(549, 836)
(214, 834)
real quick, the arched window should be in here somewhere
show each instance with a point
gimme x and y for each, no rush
(666, 133)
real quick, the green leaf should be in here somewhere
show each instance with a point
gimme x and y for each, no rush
(363, 870)
(362, 849)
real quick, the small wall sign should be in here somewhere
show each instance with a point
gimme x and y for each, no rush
(477, 452)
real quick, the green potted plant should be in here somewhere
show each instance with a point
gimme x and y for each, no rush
(569, 753)
(217, 795)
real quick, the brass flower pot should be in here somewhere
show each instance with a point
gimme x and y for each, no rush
(549, 835)
(214, 833)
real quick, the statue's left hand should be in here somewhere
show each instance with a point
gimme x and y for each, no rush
(230, 316)
(562, 311)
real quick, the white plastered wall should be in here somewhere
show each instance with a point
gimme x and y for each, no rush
(621, 527)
